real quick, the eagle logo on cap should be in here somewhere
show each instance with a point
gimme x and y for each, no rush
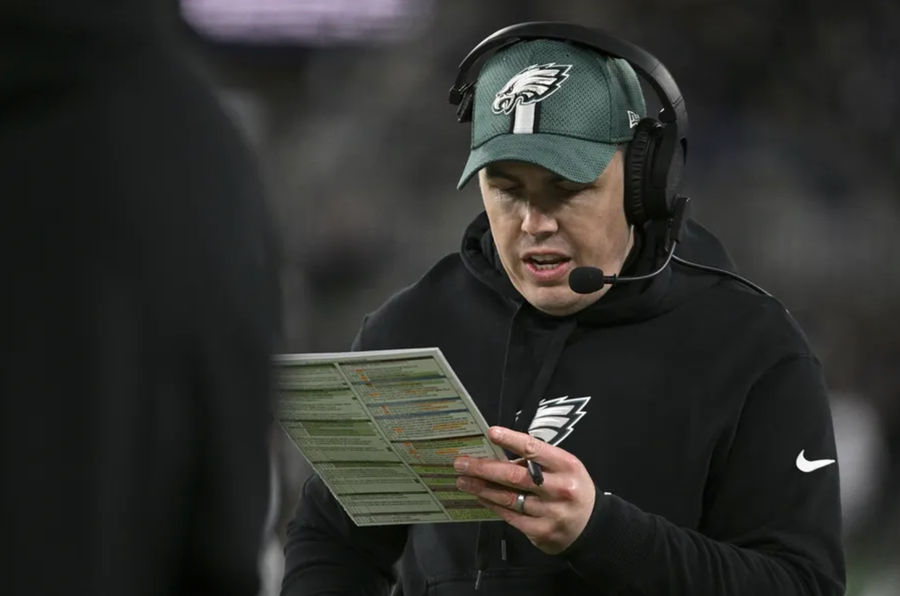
(530, 85)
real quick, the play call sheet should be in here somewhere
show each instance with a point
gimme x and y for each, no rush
(382, 429)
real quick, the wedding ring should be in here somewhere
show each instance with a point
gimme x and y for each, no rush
(520, 503)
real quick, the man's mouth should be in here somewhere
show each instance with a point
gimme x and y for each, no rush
(546, 262)
(547, 267)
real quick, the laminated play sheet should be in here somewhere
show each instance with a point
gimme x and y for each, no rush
(382, 428)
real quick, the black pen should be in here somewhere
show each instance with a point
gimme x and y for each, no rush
(534, 469)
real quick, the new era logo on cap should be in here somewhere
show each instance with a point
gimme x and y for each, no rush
(633, 119)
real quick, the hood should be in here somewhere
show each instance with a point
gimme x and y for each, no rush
(626, 302)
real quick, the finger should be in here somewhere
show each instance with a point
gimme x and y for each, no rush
(531, 448)
(499, 472)
(501, 495)
(528, 525)
(556, 486)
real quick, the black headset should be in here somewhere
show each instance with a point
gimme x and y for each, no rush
(656, 155)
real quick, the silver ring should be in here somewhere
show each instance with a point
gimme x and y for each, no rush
(520, 503)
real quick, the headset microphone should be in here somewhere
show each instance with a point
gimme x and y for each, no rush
(587, 280)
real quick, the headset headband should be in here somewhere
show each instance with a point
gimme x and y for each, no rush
(673, 112)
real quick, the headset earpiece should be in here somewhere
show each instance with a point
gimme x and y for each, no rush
(640, 153)
(653, 165)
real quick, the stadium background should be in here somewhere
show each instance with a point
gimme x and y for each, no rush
(793, 162)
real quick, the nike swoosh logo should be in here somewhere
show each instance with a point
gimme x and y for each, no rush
(805, 465)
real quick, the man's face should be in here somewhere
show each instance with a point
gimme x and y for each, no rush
(544, 226)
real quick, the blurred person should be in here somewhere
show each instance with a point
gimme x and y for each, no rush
(681, 420)
(139, 311)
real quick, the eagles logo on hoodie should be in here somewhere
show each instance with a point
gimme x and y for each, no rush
(556, 418)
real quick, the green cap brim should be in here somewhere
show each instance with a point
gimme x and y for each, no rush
(573, 159)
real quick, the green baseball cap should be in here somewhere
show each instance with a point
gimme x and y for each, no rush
(555, 104)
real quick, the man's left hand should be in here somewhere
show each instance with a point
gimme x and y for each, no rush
(553, 514)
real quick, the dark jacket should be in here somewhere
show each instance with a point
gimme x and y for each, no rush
(138, 307)
(701, 396)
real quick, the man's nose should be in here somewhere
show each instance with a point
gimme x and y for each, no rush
(537, 221)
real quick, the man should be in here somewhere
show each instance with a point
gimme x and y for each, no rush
(139, 310)
(675, 419)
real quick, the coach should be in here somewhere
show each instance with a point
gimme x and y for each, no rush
(680, 419)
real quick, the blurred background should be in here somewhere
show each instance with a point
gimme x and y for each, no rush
(793, 163)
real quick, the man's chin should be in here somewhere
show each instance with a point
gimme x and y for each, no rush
(559, 302)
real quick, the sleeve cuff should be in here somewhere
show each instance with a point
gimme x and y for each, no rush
(586, 538)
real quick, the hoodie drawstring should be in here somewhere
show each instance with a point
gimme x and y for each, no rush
(534, 342)
(559, 331)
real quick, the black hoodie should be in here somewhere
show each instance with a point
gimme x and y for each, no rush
(691, 397)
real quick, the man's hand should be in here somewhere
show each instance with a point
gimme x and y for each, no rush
(555, 513)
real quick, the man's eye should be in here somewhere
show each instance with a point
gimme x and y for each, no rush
(506, 191)
(566, 189)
